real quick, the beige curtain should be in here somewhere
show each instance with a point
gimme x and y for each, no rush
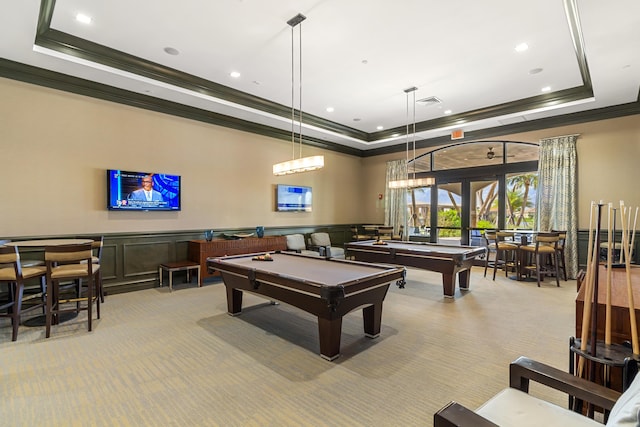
(395, 206)
(556, 199)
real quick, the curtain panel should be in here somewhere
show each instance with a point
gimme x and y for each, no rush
(556, 199)
(395, 206)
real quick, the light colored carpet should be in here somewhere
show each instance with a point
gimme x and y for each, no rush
(177, 359)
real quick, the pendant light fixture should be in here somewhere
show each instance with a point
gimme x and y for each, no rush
(411, 181)
(299, 164)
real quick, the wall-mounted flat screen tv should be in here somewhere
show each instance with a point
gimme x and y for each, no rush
(142, 191)
(293, 198)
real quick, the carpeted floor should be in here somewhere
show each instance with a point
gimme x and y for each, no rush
(177, 359)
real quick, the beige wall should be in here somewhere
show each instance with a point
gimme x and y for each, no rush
(608, 165)
(56, 147)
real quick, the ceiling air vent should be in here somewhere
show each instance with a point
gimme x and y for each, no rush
(429, 101)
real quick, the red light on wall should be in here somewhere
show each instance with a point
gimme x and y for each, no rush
(457, 134)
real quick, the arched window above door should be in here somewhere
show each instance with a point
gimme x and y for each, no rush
(475, 154)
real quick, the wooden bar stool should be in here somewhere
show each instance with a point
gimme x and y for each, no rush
(72, 282)
(14, 275)
(545, 256)
(506, 253)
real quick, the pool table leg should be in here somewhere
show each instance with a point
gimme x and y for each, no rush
(449, 284)
(464, 278)
(330, 330)
(372, 316)
(234, 301)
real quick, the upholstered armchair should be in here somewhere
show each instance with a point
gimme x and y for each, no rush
(322, 243)
(514, 406)
(295, 243)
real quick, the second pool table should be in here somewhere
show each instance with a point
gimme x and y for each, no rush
(446, 259)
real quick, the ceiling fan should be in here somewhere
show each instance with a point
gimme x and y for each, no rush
(492, 154)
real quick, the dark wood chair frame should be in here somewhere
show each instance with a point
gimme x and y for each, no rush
(506, 253)
(521, 372)
(12, 307)
(84, 278)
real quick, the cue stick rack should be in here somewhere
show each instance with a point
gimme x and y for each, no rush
(597, 355)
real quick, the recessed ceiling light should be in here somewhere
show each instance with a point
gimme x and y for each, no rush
(546, 89)
(85, 19)
(522, 47)
(380, 127)
(234, 74)
(447, 111)
(330, 109)
(535, 70)
(171, 51)
(357, 119)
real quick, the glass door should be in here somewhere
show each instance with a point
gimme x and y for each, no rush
(449, 212)
(462, 209)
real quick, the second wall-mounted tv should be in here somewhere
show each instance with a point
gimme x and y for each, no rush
(142, 191)
(293, 198)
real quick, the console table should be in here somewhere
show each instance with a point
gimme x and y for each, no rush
(620, 323)
(200, 250)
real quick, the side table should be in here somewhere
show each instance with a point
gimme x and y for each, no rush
(172, 267)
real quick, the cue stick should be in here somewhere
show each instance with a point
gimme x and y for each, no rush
(632, 311)
(594, 309)
(588, 294)
(633, 235)
(607, 327)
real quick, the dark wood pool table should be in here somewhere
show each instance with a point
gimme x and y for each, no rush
(445, 259)
(327, 288)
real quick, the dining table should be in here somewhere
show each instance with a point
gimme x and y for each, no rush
(43, 243)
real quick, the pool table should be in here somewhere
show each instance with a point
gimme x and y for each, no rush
(445, 259)
(327, 288)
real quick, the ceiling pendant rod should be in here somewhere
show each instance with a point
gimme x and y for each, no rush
(300, 84)
(293, 110)
(298, 164)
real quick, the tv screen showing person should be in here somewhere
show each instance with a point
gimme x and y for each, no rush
(146, 192)
(142, 191)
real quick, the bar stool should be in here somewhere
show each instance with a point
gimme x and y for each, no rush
(15, 275)
(490, 243)
(71, 263)
(544, 249)
(506, 252)
(561, 257)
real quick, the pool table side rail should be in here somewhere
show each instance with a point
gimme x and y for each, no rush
(382, 275)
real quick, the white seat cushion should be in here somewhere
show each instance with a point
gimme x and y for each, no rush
(512, 407)
(626, 411)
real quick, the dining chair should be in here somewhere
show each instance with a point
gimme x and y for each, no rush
(506, 253)
(72, 278)
(544, 256)
(14, 275)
